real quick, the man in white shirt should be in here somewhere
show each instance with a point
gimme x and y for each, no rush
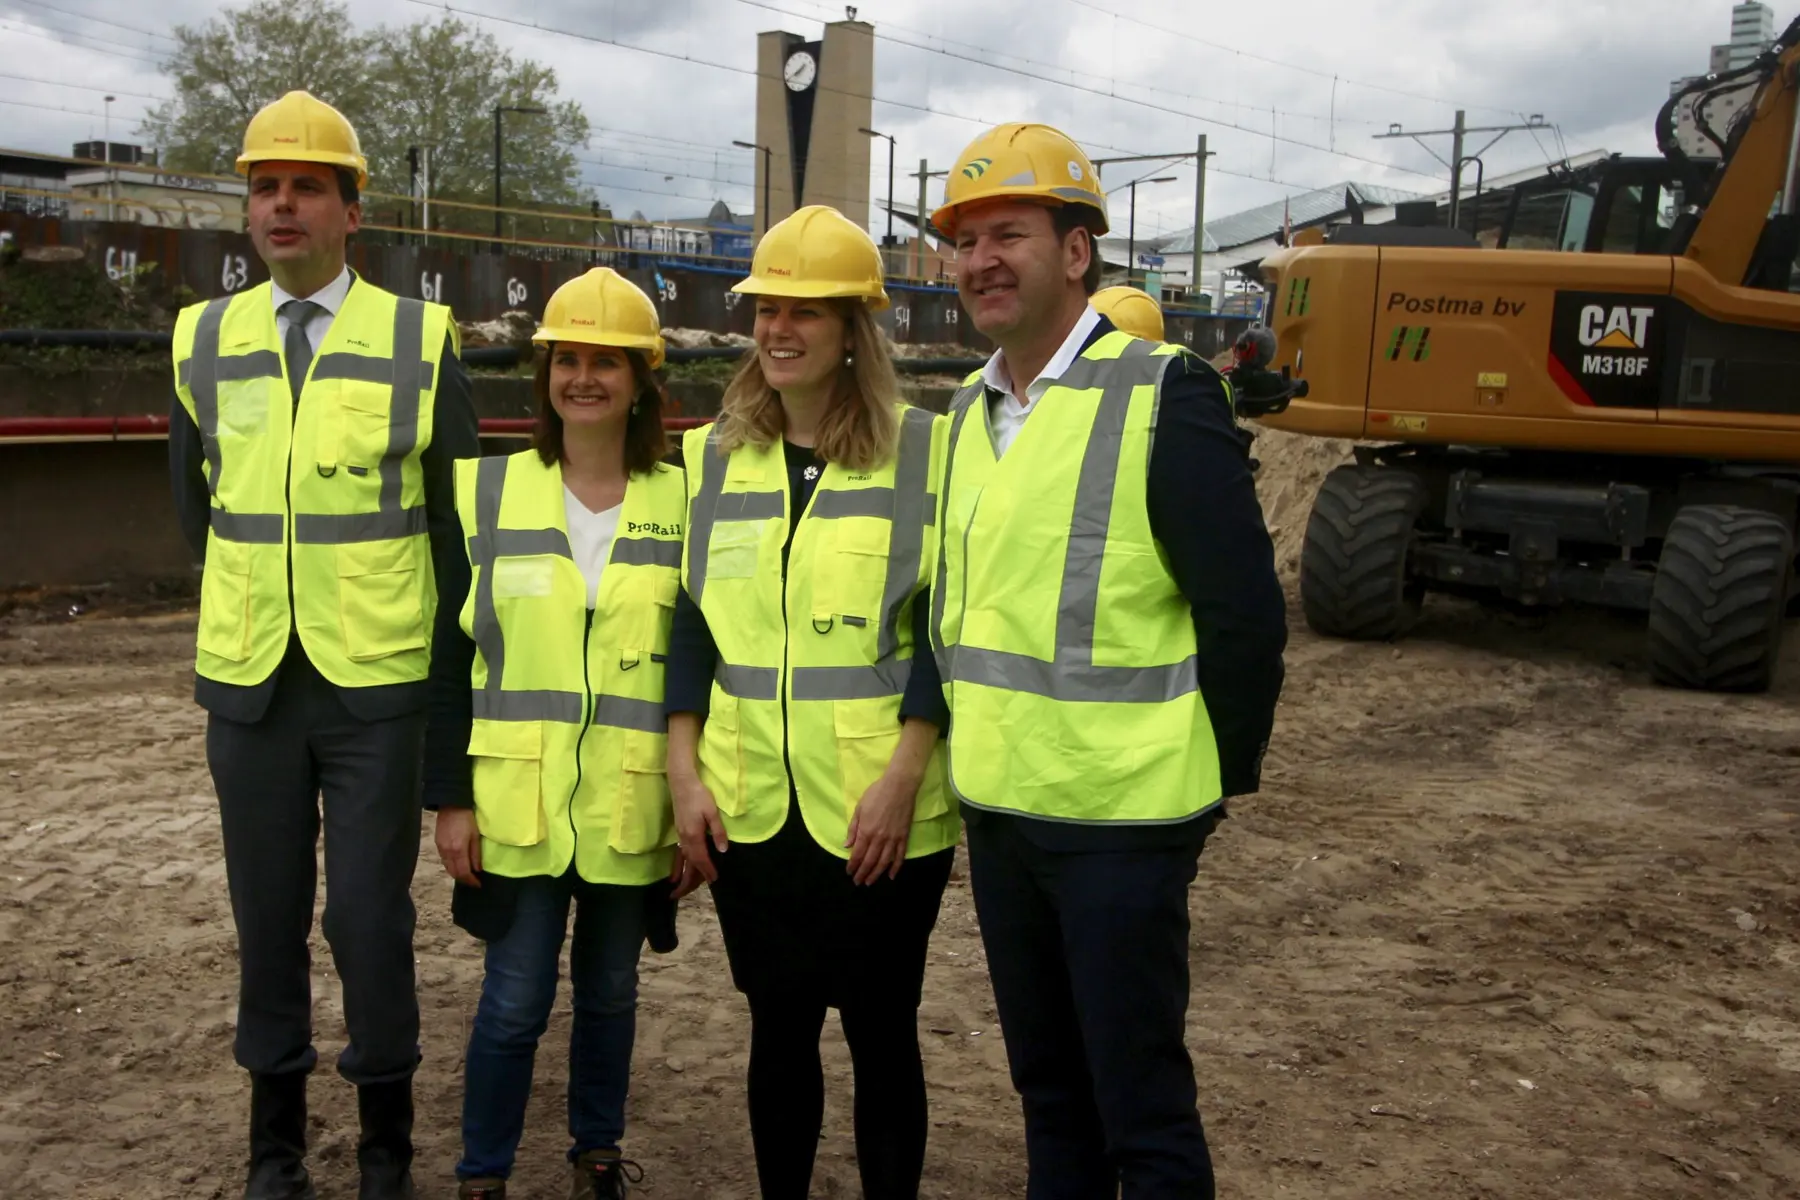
(280, 734)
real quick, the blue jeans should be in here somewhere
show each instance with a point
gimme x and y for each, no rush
(516, 998)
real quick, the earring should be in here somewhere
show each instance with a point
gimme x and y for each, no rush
(849, 360)
(634, 407)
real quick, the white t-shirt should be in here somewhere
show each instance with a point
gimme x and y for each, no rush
(590, 539)
(1005, 413)
(330, 298)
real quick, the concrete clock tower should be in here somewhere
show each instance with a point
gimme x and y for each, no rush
(812, 100)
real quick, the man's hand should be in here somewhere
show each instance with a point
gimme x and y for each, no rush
(459, 844)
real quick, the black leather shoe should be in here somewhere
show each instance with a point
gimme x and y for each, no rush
(481, 1189)
(384, 1151)
(278, 1139)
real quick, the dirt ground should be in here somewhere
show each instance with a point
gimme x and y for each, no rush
(1505, 921)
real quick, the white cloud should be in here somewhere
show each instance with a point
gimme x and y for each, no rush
(1597, 69)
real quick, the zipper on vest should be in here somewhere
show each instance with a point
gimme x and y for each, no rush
(587, 721)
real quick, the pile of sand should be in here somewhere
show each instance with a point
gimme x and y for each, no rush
(1293, 466)
(700, 339)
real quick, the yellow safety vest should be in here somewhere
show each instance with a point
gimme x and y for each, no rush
(1067, 650)
(329, 490)
(570, 744)
(812, 668)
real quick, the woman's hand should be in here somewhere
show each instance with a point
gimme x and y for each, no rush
(696, 817)
(880, 826)
(459, 844)
(882, 822)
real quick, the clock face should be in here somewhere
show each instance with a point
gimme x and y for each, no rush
(799, 71)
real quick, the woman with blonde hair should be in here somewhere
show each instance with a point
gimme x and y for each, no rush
(804, 706)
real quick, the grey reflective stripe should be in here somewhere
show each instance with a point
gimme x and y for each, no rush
(337, 529)
(258, 529)
(485, 547)
(203, 385)
(493, 705)
(625, 712)
(938, 586)
(1072, 675)
(749, 506)
(859, 502)
(490, 481)
(906, 535)
(235, 368)
(646, 552)
(882, 681)
(367, 368)
(403, 401)
(1075, 681)
(700, 512)
(749, 683)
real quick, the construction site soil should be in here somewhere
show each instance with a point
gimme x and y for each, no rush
(1505, 921)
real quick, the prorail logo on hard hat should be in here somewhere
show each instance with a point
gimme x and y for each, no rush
(975, 168)
(582, 321)
(777, 271)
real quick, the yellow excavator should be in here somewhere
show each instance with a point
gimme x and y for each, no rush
(1617, 426)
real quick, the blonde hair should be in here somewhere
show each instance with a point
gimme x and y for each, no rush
(859, 430)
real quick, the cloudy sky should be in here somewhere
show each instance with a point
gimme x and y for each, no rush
(667, 84)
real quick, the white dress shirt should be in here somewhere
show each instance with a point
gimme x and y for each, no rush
(330, 298)
(1006, 412)
(591, 537)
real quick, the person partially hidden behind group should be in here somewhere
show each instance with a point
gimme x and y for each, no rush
(805, 712)
(548, 778)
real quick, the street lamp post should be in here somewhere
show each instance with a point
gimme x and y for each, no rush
(890, 191)
(768, 174)
(498, 109)
(106, 154)
(1131, 239)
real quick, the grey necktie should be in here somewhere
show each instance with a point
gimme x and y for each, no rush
(299, 314)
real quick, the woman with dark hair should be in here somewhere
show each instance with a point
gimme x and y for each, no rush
(554, 663)
(805, 709)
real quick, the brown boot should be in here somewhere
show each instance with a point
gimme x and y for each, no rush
(603, 1175)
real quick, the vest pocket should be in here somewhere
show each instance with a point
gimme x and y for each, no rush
(732, 552)
(224, 630)
(848, 583)
(722, 754)
(643, 819)
(868, 733)
(508, 762)
(379, 599)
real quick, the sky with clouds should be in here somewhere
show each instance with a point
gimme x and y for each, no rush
(668, 84)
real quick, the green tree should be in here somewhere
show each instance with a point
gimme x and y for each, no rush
(440, 83)
(431, 83)
(228, 68)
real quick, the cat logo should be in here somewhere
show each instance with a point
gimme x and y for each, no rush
(1616, 328)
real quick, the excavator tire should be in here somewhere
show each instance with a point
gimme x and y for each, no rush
(1719, 600)
(1353, 580)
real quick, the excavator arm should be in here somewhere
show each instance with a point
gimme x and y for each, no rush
(1750, 213)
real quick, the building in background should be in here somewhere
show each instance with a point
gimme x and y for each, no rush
(117, 181)
(813, 101)
(1752, 32)
(717, 235)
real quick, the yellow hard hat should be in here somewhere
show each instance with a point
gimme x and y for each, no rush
(603, 308)
(300, 127)
(1131, 310)
(1021, 162)
(815, 253)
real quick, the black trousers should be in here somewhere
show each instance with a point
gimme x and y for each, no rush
(1088, 953)
(270, 776)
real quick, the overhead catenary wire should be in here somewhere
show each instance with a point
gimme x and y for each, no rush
(906, 104)
(29, 31)
(82, 16)
(85, 87)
